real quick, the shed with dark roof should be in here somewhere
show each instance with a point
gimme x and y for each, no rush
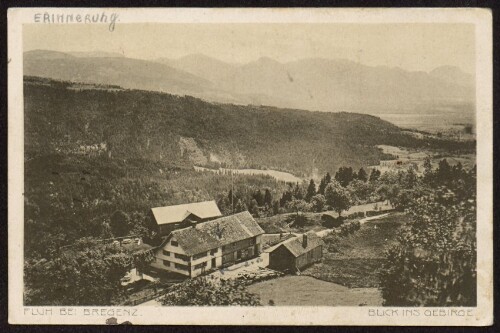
(297, 253)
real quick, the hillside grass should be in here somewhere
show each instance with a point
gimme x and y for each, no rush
(361, 255)
(308, 291)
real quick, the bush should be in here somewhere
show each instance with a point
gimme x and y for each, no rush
(373, 213)
(349, 228)
(329, 221)
(206, 291)
(332, 240)
(356, 215)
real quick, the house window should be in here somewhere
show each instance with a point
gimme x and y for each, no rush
(203, 264)
(166, 263)
(199, 255)
(181, 256)
(174, 243)
(166, 253)
(213, 251)
(182, 267)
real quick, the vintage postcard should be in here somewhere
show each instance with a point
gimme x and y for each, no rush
(250, 166)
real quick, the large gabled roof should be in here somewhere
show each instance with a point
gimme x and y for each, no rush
(295, 245)
(175, 214)
(209, 235)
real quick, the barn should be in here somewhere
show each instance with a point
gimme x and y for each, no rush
(297, 253)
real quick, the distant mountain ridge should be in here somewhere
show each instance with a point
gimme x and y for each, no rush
(310, 84)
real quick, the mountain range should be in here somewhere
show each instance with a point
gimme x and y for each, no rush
(310, 84)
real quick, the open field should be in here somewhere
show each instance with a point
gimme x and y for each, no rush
(278, 175)
(404, 157)
(359, 257)
(432, 121)
(308, 291)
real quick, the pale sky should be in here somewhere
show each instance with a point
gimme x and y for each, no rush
(409, 46)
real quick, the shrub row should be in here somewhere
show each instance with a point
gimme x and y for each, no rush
(378, 212)
(261, 275)
(355, 215)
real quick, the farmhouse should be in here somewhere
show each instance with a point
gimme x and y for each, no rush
(170, 218)
(297, 253)
(208, 245)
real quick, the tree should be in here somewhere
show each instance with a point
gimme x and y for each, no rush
(427, 166)
(318, 202)
(328, 178)
(434, 263)
(231, 198)
(276, 207)
(298, 206)
(374, 175)
(120, 223)
(410, 179)
(362, 175)
(311, 190)
(344, 176)
(268, 198)
(443, 174)
(287, 196)
(88, 273)
(240, 206)
(253, 208)
(337, 197)
(142, 260)
(324, 181)
(360, 191)
(259, 198)
(224, 206)
(210, 291)
(297, 193)
(384, 191)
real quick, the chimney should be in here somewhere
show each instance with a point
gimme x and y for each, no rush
(304, 240)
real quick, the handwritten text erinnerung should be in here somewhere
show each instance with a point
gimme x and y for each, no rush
(52, 18)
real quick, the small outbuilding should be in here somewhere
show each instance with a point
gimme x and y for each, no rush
(297, 253)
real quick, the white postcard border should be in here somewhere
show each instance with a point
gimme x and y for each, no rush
(267, 315)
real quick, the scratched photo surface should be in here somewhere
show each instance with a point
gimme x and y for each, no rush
(290, 164)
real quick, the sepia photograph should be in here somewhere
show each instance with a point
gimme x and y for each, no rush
(250, 164)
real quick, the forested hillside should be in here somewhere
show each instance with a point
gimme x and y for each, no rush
(69, 119)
